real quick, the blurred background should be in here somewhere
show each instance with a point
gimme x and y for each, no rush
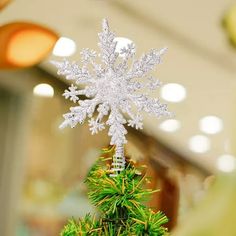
(190, 157)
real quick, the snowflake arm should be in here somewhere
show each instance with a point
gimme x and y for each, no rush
(95, 126)
(153, 83)
(78, 114)
(152, 106)
(88, 55)
(128, 51)
(117, 130)
(146, 63)
(107, 45)
(136, 122)
(75, 116)
(72, 93)
(72, 71)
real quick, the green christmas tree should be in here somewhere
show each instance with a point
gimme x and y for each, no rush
(120, 201)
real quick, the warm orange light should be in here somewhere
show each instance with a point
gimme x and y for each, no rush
(24, 44)
(3, 3)
(28, 47)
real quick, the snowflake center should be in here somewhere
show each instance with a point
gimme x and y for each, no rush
(112, 89)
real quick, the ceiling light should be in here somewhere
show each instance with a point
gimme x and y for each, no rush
(211, 124)
(43, 90)
(173, 92)
(170, 125)
(64, 47)
(226, 163)
(122, 43)
(199, 144)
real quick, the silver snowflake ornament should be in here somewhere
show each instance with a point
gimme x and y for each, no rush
(114, 88)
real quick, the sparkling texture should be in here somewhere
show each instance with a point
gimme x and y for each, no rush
(112, 88)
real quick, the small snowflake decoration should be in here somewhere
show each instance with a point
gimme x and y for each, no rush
(113, 88)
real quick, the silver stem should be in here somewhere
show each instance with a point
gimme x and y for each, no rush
(118, 163)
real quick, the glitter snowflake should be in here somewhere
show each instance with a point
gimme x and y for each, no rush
(114, 88)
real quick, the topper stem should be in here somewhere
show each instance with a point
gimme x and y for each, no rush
(118, 163)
